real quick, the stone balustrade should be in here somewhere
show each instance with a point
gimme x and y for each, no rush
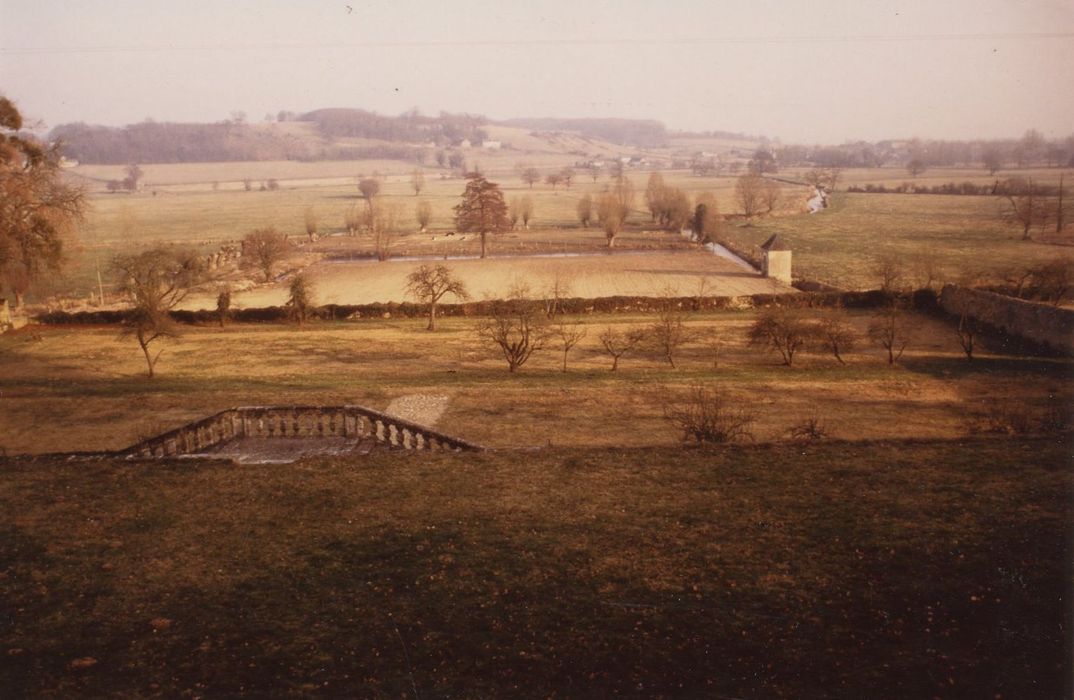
(356, 422)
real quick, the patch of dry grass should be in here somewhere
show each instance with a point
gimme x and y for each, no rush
(923, 568)
(84, 388)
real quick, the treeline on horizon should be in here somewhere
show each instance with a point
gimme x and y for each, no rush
(408, 136)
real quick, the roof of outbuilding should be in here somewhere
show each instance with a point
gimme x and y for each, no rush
(775, 243)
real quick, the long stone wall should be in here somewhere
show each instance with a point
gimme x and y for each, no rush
(296, 422)
(1045, 325)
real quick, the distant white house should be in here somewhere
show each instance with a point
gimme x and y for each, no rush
(465, 143)
(492, 145)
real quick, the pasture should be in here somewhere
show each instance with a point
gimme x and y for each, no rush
(83, 388)
(963, 237)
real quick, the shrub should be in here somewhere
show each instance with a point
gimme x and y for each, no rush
(705, 416)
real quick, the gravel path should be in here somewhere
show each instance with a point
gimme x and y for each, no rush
(424, 409)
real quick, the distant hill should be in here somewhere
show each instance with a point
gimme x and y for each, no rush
(324, 134)
(647, 133)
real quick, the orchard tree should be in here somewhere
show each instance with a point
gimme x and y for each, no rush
(553, 179)
(429, 284)
(782, 330)
(155, 281)
(916, 166)
(37, 210)
(518, 329)
(482, 209)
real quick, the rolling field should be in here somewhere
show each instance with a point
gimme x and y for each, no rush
(83, 388)
(965, 236)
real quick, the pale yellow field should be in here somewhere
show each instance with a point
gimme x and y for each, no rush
(683, 273)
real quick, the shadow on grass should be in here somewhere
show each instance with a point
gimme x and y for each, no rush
(947, 367)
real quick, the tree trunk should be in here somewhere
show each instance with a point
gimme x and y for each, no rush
(565, 361)
(482, 244)
(18, 298)
(432, 317)
(611, 241)
(145, 349)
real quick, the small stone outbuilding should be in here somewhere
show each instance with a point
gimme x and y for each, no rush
(777, 259)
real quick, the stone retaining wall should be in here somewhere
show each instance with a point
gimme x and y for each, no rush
(1045, 325)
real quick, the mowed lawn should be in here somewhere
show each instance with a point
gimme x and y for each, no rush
(84, 388)
(899, 569)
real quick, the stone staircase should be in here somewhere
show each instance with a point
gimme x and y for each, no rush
(285, 433)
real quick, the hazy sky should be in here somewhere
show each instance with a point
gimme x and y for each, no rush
(807, 71)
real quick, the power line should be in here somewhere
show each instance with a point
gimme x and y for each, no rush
(510, 43)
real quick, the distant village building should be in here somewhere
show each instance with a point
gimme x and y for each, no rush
(492, 145)
(465, 143)
(777, 259)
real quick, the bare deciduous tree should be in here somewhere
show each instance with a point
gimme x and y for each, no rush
(417, 181)
(613, 207)
(352, 221)
(531, 176)
(312, 222)
(966, 331)
(569, 335)
(423, 212)
(748, 194)
(585, 210)
(553, 179)
(1025, 205)
(784, 330)
(890, 332)
(155, 281)
(429, 284)
(263, 249)
(618, 343)
(558, 289)
(889, 269)
(916, 166)
(518, 330)
(836, 335)
(770, 194)
(669, 333)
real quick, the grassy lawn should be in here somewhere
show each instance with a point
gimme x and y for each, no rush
(80, 388)
(901, 569)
